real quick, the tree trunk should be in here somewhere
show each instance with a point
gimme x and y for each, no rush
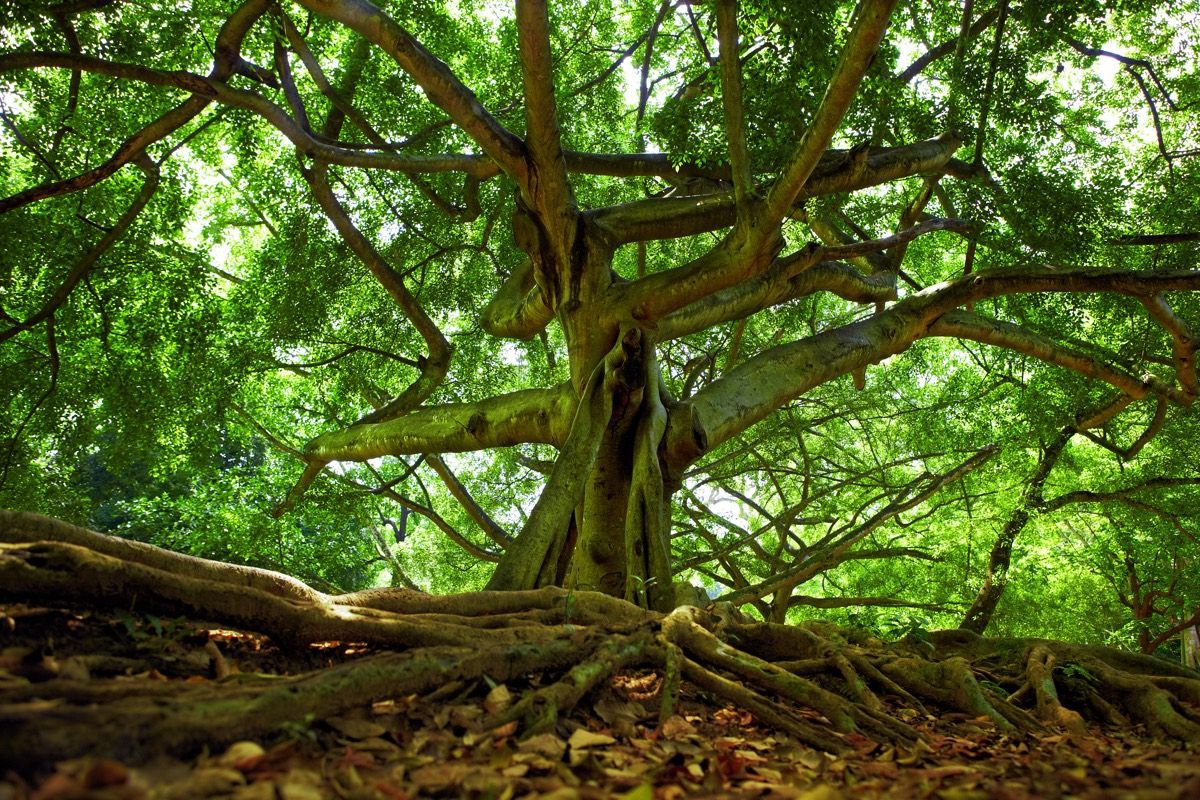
(979, 615)
(1190, 652)
(603, 520)
(623, 542)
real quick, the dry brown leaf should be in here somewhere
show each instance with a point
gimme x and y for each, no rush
(354, 728)
(582, 738)
(498, 699)
(544, 744)
(440, 776)
(676, 727)
(507, 729)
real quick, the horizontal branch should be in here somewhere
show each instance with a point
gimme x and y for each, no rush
(531, 415)
(1151, 484)
(209, 89)
(837, 171)
(853, 602)
(1156, 238)
(845, 251)
(225, 63)
(706, 278)
(774, 287)
(964, 325)
(759, 385)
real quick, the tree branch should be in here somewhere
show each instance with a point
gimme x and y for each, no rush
(546, 188)
(530, 415)
(780, 284)
(228, 57)
(857, 55)
(206, 91)
(433, 369)
(1150, 484)
(964, 325)
(84, 265)
(439, 83)
(670, 217)
(833, 553)
(731, 96)
(1183, 342)
(982, 23)
(519, 309)
(850, 602)
(761, 384)
(473, 509)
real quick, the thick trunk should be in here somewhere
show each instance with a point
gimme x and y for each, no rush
(602, 522)
(979, 615)
(622, 547)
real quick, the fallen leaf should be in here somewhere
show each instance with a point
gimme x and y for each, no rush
(300, 791)
(676, 727)
(241, 756)
(354, 728)
(498, 699)
(436, 777)
(508, 729)
(544, 744)
(582, 738)
(643, 792)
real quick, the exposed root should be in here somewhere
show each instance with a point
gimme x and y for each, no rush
(540, 709)
(1152, 705)
(818, 684)
(669, 694)
(774, 714)
(946, 683)
(1040, 669)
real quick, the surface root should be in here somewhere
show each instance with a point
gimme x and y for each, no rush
(821, 685)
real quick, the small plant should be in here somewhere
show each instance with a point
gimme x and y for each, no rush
(301, 730)
(158, 627)
(1076, 672)
(892, 627)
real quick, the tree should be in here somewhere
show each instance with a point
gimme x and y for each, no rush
(752, 225)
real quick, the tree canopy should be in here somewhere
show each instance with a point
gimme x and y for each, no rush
(857, 306)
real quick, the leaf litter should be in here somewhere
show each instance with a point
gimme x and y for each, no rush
(438, 745)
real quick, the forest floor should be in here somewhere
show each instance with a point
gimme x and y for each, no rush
(612, 745)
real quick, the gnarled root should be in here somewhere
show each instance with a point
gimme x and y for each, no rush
(818, 684)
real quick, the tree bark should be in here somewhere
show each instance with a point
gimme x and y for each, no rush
(979, 615)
